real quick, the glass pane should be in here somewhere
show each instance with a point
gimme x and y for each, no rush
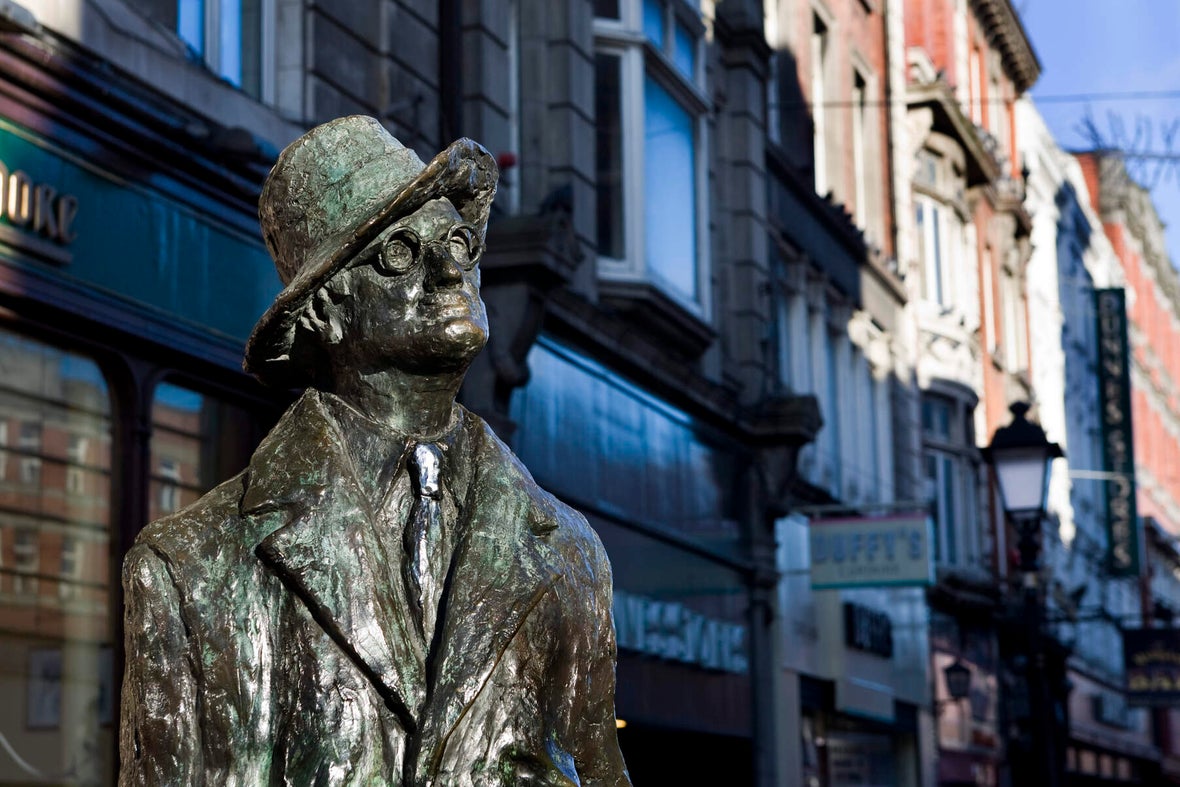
(670, 194)
(197, 442)
(684, 51)
(229, 34)
(608, 9)
(56, 621)
(609, 155)
(251, 47)
(190, 24)
(653, 22)
(936, 417)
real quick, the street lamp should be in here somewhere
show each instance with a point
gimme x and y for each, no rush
(958, 680)
(1021, 455)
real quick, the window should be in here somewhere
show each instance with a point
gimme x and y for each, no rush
(952, 480)
(197, 441)
(1015, 355)
(932, 250)
(75, 469)
(942, 243)
(649, 115)
(71, 565)
(26, 559)
(819, 101)
(59, 624)
(235, 39)
(169, 475)
(860, 114)
(30, 446)
(976, 97)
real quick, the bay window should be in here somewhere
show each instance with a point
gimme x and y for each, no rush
(650, 177)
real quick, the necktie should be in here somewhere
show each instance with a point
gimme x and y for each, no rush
(423, 537)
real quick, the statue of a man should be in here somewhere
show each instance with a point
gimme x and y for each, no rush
(384, 596)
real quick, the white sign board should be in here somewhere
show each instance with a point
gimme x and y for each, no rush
(871, 551)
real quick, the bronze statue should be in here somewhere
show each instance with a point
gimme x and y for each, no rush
(384, 596)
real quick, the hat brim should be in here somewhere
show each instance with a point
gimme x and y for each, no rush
(465, 173)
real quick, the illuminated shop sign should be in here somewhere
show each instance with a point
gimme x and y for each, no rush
(1114, 389)
(670, 630)
(1152, 660)
(871, 551)
(37, 208)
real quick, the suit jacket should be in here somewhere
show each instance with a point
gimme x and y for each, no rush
(267, 642)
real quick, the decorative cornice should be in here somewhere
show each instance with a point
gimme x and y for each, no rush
(938, 96)
(1004, 30)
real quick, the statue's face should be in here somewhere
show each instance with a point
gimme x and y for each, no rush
(415, 301)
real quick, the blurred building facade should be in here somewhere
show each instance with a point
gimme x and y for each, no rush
(754, 266)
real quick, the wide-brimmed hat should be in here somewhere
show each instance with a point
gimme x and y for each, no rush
(331, 192)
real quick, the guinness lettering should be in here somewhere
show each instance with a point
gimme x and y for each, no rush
(36, 207)
(1114, 387)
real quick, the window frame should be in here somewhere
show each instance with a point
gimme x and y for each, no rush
(640, 58)
(213, 45)
(957, 450)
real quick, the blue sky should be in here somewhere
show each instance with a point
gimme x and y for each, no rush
(1113, 46)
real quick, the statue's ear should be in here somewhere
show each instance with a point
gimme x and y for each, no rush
(323, 315)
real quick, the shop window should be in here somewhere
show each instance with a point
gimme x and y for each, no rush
(197, 441)
(650, 111)
(57, 621)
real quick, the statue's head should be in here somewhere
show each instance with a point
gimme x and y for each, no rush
(377, 252)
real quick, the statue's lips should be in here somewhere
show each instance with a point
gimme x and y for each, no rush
(447, 304)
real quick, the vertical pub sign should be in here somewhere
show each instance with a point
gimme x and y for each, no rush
(1114, 390)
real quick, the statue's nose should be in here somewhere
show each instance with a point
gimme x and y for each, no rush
(441, 268)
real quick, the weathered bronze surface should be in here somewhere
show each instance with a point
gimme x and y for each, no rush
(384, 596)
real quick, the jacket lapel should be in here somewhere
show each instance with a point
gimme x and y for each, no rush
(503, 566)
(327, 550)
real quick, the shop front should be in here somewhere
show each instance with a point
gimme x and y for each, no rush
(130, 275)
(656, 487)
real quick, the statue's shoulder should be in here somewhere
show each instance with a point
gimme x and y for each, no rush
(563, 525)
(207, 525)
(213, 532)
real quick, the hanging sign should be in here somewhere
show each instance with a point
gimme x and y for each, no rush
(871, 551)
(1114, 390)
(1152, 660)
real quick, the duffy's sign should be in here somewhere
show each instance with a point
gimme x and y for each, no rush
(1114, 390)
(871, 551)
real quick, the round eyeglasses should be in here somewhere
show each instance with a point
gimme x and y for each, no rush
(403, 249)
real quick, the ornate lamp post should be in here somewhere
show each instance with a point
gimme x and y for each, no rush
(1021, 456)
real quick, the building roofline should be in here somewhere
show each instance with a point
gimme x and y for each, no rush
(1004, 29)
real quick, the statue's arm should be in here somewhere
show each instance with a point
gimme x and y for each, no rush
(159, 737)
(600, 761)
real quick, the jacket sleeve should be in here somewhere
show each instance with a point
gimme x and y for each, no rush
(600, 762)
(159, 736)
